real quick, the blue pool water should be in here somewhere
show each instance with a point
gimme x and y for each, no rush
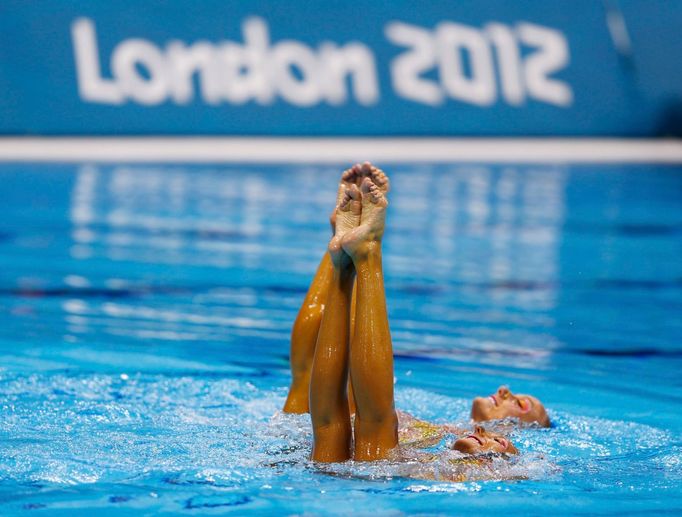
(145, 315)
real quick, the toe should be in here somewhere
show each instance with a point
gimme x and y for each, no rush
(349, 175)
(375, 193)
(355, 200)
(344, 204)
(380, 178)
(376, 196)
(366, 169)
(366, 186)
(371, 191)
(351, 199)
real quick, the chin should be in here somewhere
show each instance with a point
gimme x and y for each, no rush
(529, 418)
(541, 419)
(464, 446)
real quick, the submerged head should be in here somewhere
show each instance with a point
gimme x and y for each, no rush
(503, 403)
(482, 441)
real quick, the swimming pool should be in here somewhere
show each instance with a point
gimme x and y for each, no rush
(145, 315)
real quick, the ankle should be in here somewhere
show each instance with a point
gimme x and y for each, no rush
(366, 254)
(344, 271)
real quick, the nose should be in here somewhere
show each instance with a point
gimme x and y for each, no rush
(503, 392)
(479, 429)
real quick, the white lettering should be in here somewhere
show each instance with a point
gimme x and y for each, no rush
(509, 61)
(551, 56)
(407, 68)
(451, 61)
(124, 63)
(228, 71)
(302, 89)
(355, 61)
(478, 87)
(463, 58)
(245, 67)
(91, 86)
(185, 62)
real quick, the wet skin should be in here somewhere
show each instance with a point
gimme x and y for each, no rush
(482, 441)
(307, 325)
(355, 249)
(503, 404)
(320, 353)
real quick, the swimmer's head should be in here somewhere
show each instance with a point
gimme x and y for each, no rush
(482, 441)
(503, 403)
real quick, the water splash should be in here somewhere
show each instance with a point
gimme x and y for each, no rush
(60, 430)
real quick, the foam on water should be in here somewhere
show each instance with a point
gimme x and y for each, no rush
(144, 328)
(168, 435)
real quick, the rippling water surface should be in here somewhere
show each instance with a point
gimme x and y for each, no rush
(145, 316)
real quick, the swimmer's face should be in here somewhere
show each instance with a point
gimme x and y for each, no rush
(481, 441)
(503, 403)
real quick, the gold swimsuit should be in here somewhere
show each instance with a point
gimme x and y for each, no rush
(419, 434)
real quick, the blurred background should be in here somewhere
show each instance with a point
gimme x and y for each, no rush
(492, 68)
(166, 174)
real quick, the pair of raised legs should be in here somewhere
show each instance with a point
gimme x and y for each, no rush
(339, 342)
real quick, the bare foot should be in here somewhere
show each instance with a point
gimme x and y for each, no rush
(346, 218)
(348, 177)
(355, 176)
(359, 240)
(378, 177)
(358, 172)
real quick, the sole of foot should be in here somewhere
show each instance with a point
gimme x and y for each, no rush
(368, 234)
(347, 218)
